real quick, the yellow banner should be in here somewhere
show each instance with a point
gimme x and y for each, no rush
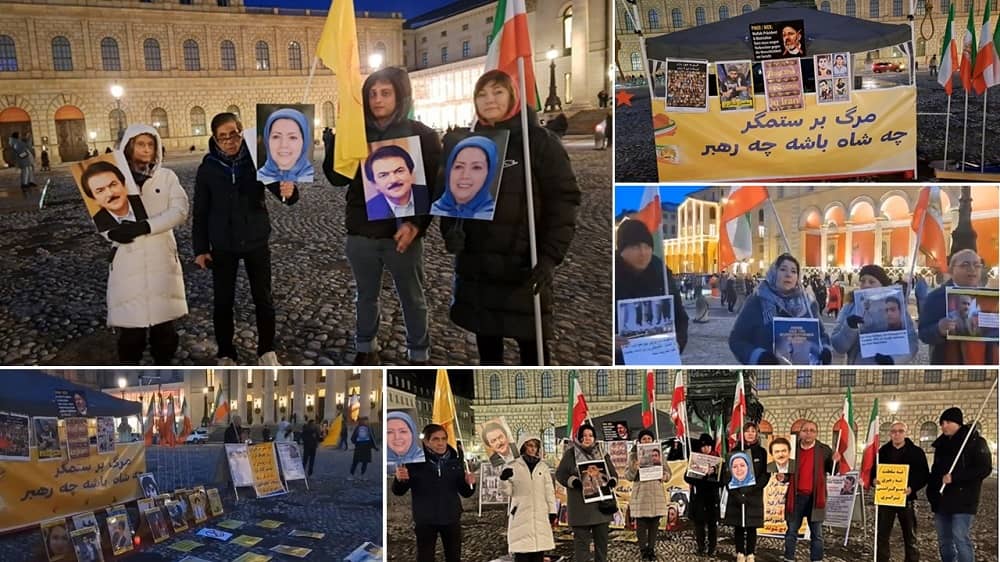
(33, 491)
(774, 511)
(264, 464)
(891, 487)
(876, 132)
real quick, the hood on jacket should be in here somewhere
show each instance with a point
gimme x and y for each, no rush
(524, 438)
(135, 130)
(400, 81)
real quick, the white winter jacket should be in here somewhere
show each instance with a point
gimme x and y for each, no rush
(532, 499)
(145, 281)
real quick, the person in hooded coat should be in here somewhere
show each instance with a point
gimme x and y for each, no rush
(495, 282)
(231, 224)
(703, 509)
(649, 502)
(527, 481)
(589, 520)
(395, 244)
(745, 506)
(481, 205)
(845, 337)
(145, 280)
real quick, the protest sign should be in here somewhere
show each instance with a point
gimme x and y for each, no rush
(618, 452)
(47, 438)
(490, 490)
(291, 461)
(884, 321)
(401, 439)
(615, 430)
(650, 461)
(734, 84)
(796, 341)
(741, 471)
(14, 438)
(974, 312)
(774, 512)
(284, 144)
(783, 90)
(111, 195)
(687, 85)
(498, 440)
(472, 173)
(595, 480)
(77, 438)
(264, 466)
(840, 492)
(701, 465)
(891, 487)
(238, 457)
(648, 323)
(778, 40)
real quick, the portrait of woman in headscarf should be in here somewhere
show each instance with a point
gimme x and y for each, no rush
(287, 139)
(469, 176)
(402, 440)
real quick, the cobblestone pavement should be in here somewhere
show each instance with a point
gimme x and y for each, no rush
(52, 298)
(349, 512)
(483, 537)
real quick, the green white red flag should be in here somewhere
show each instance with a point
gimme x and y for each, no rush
(678, 406)
(846, 437)
(511, 42)
(649, 400)
(870, 456)
(576, 409)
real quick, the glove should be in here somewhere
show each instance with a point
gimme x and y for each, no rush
(454, 239)
(128, 231)
(507, 474)
(612, 483)
(576, 484)
(768, 358)
(552, 519)
(825, 357)
(853, 321)
(884, 359)
(541, 275)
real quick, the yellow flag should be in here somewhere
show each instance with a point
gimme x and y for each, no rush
(338, 49)
(333, 434)
(444, 406)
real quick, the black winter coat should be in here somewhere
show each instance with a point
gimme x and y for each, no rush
(436, 485)
(492, 295)
(975, 464)
(752, 497)
(230, 213)
(649, 283)
(910, 455)
(704, 498)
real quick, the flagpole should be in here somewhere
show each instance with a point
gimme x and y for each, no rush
(687, 426)
(781, 229)
(972, 427)
(920, 233)
(982, 148)
(458, 428)
(965, 128)
(652, 407)
(309, 81)
(633, 14)
(947, 127)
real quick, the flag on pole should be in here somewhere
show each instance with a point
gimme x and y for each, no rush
(186, 427)
(148, 421)
(221, 407)
(332, 438)
(510, 41)
(968, 51)
(739, 413)
(167, 435)
(576, 409)
(721, 443)
(846, 437)
(949, 54)
(677, 406)
(649, 400)
(443, 412)
(338, 49)
(986, 73)
(931, 238)
(651, 214)
(735, 240)
(870, 455)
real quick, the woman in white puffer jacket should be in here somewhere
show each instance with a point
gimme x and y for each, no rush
(528, 482)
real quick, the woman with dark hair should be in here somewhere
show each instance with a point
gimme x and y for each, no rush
(846, 335)
(745, 506)
(648, 503)
(704, 507)
(495, 281)
(780, 295)
(589, 520)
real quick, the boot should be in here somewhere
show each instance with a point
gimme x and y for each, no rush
(749, 557)
(369, 358)
(741, 558)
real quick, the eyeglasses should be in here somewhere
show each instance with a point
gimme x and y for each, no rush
(970, 265)
(897, 431)
(228, 138)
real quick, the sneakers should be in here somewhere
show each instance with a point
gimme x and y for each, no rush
(226, 362)
(269, 359)
(366, 358)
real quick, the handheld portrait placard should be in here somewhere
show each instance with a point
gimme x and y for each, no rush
(284, 142)
(833, 77)
(47, 438)
(778, 40)
(14, 438)
(595, 480)
(472, 176)
(687, 85)
(891, 487)
(648, 323)
(108, 191)
(883, 314)
(490, 491)
(783, 90)
(741, 471)
(650, 461)
(394, 179)
(796, 341)
(735, 85)
(974, 312)
(701, 465)
(402, 440)
(615, 430)
(87, 544)
(498, 440)
(55, 538)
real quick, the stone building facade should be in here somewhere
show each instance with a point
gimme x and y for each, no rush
(415, 392)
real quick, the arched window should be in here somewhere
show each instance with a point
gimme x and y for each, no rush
(294, 56)
(234, 109)
(151, 52)
(897, 8)
(699, 16)
(873, 8)
(262, 56)
(629, 26)
(747, 8)
(520, 389)
(723, 13)
(328, 114)
(852, 9)
(567, 28)
(382, 50)
(110, 58)
(8, 54)
(602, 383)
(227, 52)
(198, 122)
(824, 6)
(494, 387)
(159, 119)
(654, 19)
(928, 433)
(116, 122)
(62, 54)
(546, 385)
(676, 19)
(549, 440)
(192, 57)
(636, 59)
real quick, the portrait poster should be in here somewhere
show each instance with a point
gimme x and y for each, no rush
(199, 506)
(974, 312)
(774, 512)
(105, 435)
(595, 480)
(71, 403)
(616, 430)
(237, 455)
(291, 461)
(296, 551)
(734, 85)
(778, 40)
(490, 490)
(77, 438)
(47, 438)
(648, 323)
(247, 540)
(650, 461)
(87, 544)
(796, 341)
(891, 487)
(108, 191)
(884, 319)
(394, 179)
(498, 441)
(252, 557)
(14, 438)
(840, 494)
(367, 552)
(472, 174)
(687, 85)
(214, 502)
(147, 483)
(618, 452)
(402, 440)
(701, 465)
(177, 514)
(85, 519)
(158, 525)
(656, 70)
(833, 77)
(120, 531)
(56, 540)
(264, 466)
(783, 90)
(741, 471)
(284, 142)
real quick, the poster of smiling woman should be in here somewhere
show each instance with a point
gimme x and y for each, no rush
(394, 179)
(472, 176)
(284, 145)
(402, 440)
(108, 191)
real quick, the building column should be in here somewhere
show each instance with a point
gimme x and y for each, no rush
(267, 398)
(300, 395)
(240, 382)
(913, 244)
(330, 402)
(879, 224)
(823, 230)
(366, 390)
(849, 244)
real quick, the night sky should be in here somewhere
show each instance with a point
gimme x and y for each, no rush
(627, 197)
(409, 8)
(461, 379)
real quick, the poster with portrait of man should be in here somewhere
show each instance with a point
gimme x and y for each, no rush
(833, 77)
(783, 90)
(883, 328)
(778, 40)
(499, 441)
(687, 85)
(14, 437)
(47, 438)
(735, 85)
(650, 461)
(284, 136)
(108, 190)
(616, 430)
(472, 173)
(648, 324)
(974, 314)
(394, 179)
(77, 438)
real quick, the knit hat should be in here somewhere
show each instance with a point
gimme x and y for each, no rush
(645, 432)
(952, 414)
(580, 430)
(705, 440)
(632, 232)
(876, 272)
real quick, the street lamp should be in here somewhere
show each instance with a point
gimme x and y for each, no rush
(204, 402)
(552, 103)
(93, 139)
(122, 383)
(117, 92)
(374, 61)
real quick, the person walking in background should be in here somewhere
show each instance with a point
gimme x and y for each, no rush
(364, 442)
(24, 158)
(345, 420)
(310, 441)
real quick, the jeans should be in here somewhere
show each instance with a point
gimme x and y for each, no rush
(162, 341)
(745, 539)
(803, 506)
(491, 351)
(908, 525)
(953, 536)
(369, 257)
(582, 539)
(706, 535)
(451, 540)
(225, 266)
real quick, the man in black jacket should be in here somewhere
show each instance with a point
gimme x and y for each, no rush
(900, 450)
(436, 485)
(394, 243)
(955, 508)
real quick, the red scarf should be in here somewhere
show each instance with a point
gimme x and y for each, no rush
(819, 483)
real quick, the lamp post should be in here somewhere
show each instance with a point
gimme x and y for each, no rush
(93, 139)
(204, 402)
(552, 103)
(122, 383)
(375, 61)
(117, 92)
(964, 237)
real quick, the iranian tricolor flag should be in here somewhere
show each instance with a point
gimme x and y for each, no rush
(949, 54)
(986, 73)
(870, 456)
(928, 223)
(511, 42)
(739, 414)
(678, 406)
(651, 214)
(968, 51)
(735, 240)
(846, 437)
(576, 410)
(649, 400)
(720, 443)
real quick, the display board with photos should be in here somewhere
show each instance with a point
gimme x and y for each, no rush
(648, 324)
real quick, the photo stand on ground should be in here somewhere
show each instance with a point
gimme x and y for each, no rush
(262, 474)
(490, 490)
(290, 459)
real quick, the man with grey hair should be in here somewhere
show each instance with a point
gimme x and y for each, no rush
(900, 450)
(966, 269)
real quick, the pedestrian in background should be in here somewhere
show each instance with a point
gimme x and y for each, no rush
(310, 441)
(364, 442)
